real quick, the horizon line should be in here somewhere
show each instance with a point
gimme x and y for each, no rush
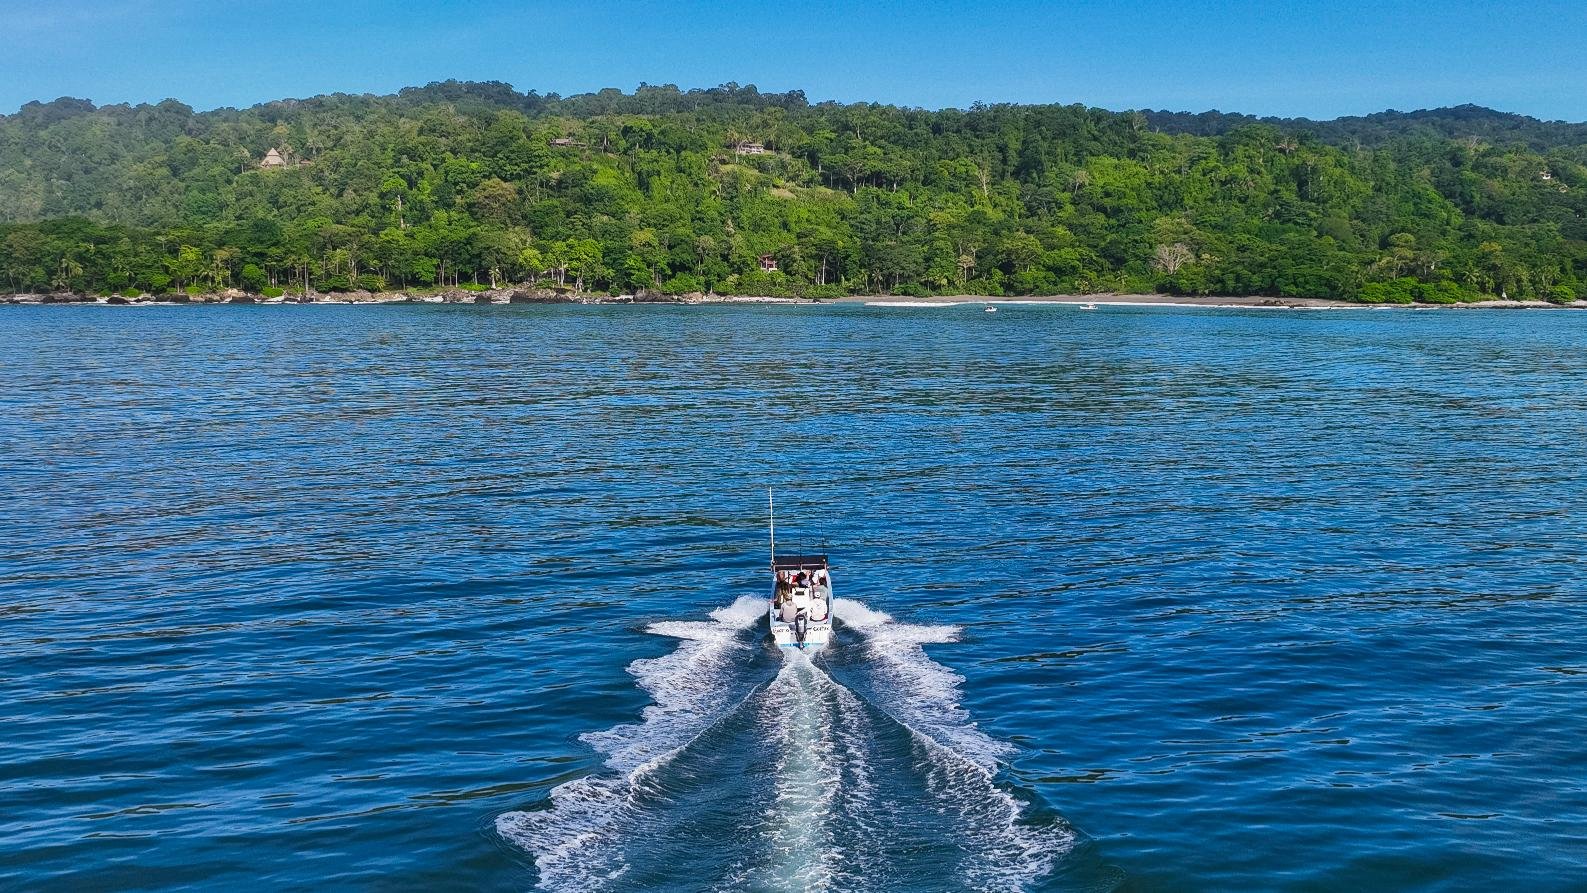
(813, 103)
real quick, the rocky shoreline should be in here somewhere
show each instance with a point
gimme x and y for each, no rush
(514, 295)
(528, 295)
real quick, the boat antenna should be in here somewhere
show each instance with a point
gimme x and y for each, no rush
(771, 510)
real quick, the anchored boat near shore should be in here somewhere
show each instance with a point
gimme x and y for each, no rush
(800, 611)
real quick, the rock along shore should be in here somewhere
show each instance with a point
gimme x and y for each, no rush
(516, 295)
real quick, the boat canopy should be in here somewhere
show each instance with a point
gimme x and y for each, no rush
(798, 562)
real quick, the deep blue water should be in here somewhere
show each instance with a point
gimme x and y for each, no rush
(305, 598)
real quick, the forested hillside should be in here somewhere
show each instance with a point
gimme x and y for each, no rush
(674, 191)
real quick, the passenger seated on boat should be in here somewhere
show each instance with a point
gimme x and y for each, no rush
(818, 609)
(789, 612)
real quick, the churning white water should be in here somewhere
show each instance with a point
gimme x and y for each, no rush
(841, 794)
(578, 842)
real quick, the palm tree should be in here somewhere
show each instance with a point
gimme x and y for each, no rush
(220, 267)
(704, 246)
(966, 264)
(68, 270)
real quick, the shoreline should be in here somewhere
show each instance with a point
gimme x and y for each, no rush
(542, 296)
(1225, 302)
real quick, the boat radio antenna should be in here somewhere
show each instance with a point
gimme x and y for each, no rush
(771, 512)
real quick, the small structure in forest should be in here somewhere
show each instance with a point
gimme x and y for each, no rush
(273, 160)
(748, 148)
(768, 263)
(564, 142)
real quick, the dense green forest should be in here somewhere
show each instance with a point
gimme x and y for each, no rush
(673, 191)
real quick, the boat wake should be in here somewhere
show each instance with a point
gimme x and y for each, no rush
(751, 771)
(817, 790)
(1006, 852)
(916, 690)
(577, 843)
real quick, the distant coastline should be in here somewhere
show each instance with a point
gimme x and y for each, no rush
(731, 191)
(544, 296)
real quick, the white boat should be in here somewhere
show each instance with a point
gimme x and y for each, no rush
(799, 612)
(1088, 306)
(990, 309)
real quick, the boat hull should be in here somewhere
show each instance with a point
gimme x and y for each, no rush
(800, 611)
(817, 635)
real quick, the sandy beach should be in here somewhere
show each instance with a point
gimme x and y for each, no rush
(1224, 301)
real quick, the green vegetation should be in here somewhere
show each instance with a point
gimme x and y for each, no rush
(667, 191)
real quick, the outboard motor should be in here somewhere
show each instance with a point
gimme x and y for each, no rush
(801, 620)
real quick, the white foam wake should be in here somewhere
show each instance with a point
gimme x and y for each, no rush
(807, 780)
(916, 690)
(805, 840)
(963, 761)
(823, 827)
(686, 687)
(577, 843)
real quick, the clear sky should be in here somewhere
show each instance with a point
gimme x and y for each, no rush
(1318, 58)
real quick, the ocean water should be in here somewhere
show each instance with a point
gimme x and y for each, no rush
(467, 598)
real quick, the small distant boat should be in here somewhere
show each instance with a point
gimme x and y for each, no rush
(800, 611)
(990, 309)
(1088, 306)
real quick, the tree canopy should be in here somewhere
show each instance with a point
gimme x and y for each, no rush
(677, 191)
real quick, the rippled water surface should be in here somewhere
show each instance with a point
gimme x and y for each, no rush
(454, 598)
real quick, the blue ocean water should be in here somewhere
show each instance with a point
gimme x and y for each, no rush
(463, 598)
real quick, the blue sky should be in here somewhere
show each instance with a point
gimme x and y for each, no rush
(1305, 57)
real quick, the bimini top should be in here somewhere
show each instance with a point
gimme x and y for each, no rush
(795, 562)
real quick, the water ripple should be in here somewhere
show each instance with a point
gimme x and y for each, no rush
(299, 597)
